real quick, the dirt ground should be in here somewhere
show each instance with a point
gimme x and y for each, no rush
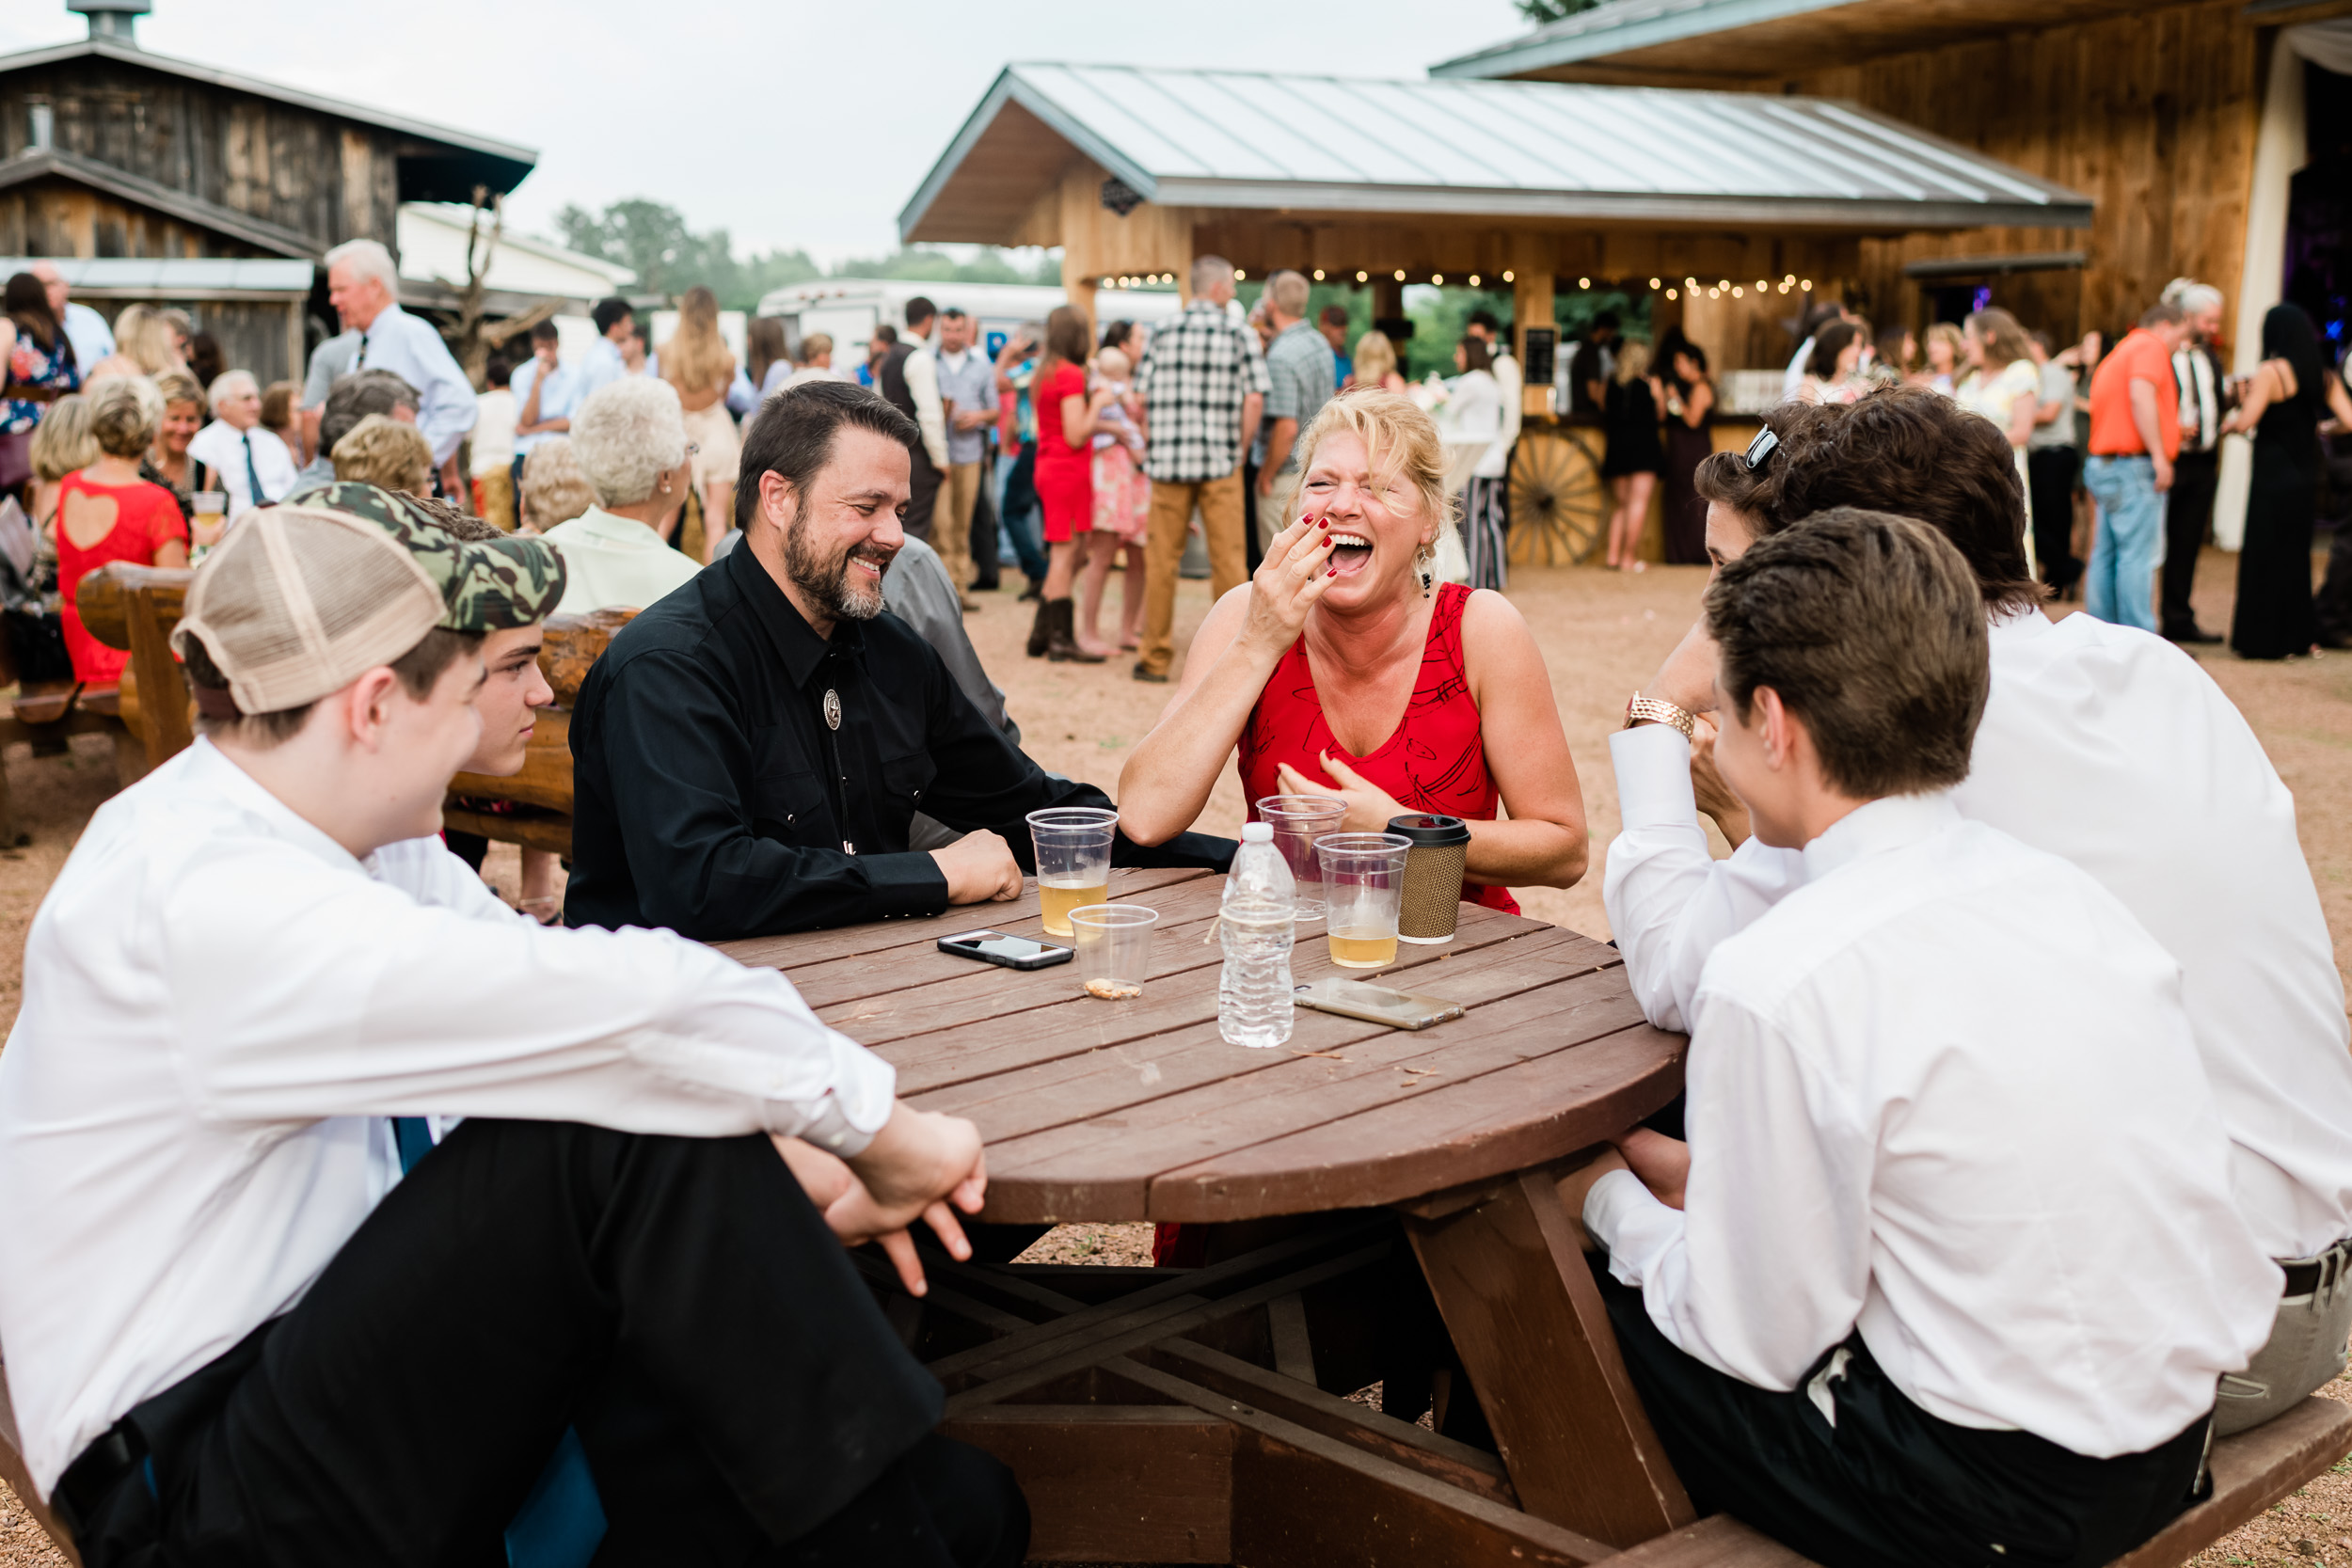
(1603, 635)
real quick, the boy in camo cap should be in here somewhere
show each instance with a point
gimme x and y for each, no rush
(240, 1328)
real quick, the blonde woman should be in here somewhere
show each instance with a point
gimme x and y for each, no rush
(555, 490)
(698, 366)
(148, 340)
(1344, 667)
(1636, 457)
(1375, 363)
(168, 462)
(1946, 353)
(61, 443)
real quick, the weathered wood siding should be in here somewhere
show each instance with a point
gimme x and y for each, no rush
(321, 176)
(2153, 116)
(59, 218)
(260, 336)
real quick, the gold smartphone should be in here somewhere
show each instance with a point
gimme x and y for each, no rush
(1398, 1009)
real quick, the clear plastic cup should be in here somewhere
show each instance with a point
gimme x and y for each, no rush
(1363, 887)
(1297, 821)
(1114, 943)
(1073, 860)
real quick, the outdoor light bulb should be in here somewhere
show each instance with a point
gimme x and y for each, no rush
(1239, 274)
(1508, 278)
(1806, 285)
(1790, 279)
(1400, 275)
(1761, 285)
(1739, 292)
(1318, 275)
(1714, 293)
(1583, 282)
(1783, 288)
(1362, 277)
(1474, 281)
(1437, 278)
(1655, 283)
(1723, 283)
(1691, 284)
(1674, 293)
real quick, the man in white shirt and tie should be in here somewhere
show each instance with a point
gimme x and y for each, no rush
(2099, 744)
(364, 285)
(2197, 469)
(241, 1327)
(252, 465)
(1951, 1264)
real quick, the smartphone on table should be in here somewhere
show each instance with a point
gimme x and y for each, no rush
(994, 948)
(1398, 1009)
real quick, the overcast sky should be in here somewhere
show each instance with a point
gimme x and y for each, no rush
(797, 123)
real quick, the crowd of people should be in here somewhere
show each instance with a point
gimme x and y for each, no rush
(351, 1212)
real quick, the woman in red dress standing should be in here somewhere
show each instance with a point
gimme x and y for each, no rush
(1066, 421)
(106, 513)
(1344, 668)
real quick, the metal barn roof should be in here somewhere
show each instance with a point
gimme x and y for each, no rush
(1540, 150)
(176, 277)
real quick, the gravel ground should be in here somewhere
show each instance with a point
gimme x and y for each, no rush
(1602, 634)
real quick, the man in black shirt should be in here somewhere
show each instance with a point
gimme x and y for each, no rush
(748, 754)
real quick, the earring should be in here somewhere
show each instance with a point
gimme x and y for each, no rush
(1424, 561)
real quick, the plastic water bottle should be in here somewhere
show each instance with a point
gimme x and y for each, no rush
(1253, 991)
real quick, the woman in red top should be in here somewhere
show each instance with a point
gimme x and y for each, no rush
(106, 511)
(1345, 669)
(1066, 417)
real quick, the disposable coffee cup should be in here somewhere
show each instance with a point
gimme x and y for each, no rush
(1433, 876)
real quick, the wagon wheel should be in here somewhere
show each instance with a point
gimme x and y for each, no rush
(1557, 505)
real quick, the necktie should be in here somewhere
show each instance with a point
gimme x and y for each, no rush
(414, 1138)
(252, 474)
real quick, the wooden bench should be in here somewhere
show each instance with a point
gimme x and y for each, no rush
(134, 609)
(539, 799)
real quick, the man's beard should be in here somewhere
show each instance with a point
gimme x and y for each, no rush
(827, 581)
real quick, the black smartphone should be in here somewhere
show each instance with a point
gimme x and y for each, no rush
(994, 948)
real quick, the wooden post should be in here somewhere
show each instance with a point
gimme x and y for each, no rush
(1079, 284)
(1533, 1335)
(1531, 288)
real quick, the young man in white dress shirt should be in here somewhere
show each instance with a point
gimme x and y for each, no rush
(237, 1332)
(364, 284)
(1951, 1264)
(2101, 744)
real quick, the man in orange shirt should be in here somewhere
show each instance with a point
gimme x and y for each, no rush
(2134, 436)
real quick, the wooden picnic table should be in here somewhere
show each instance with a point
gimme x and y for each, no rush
(1174, 1415)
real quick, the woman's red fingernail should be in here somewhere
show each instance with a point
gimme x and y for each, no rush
(1325, 523)
(1332, 573)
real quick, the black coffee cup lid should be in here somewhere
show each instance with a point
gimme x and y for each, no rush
(1427, 830)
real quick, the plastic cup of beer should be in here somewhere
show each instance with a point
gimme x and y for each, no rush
(1114, 943)
(1297, 821)
(1363, 888)
(1074, 861)
(211, 517)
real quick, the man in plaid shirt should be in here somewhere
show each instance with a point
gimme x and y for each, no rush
(1203, 385)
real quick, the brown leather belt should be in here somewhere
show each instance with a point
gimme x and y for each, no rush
(18, 393)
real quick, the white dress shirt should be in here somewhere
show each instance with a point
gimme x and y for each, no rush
(91, 338)
(922, 373)
(1512, 382)
(610, 560)
(2111, 748)
(221, 1006)
(559, 400)
(602, 366)
(221, 447)
(1792, 379)
(1944, 1094)
(412, 348)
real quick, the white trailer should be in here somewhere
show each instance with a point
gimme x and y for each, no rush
(847, 310)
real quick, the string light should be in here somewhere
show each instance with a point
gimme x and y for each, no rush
(1737, 292)
(1583, 282)
(1783, 288)
(1806, 285)
(1400, 275)
(1437, 278)
(1509, 276)
(1474, 281)
(1674, 293)
(1692, 284)
(1239, 274)
(1790, 281)
(1761, 285)
(1714, 293)
(1363, 277)
(1654, 282)
(1318, 275)
(1724, 284)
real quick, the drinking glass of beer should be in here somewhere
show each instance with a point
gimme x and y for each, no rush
(1074, 861)
(212, 518)
(1363, 885)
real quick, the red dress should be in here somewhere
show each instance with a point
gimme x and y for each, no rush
(146, 518)
(1065, 474)
(1436, 761)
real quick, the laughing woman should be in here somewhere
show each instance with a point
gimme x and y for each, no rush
(1343, 669)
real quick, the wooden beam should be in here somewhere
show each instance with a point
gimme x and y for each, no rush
(1532, 285)
(1173, 1498)
(1512, 1283)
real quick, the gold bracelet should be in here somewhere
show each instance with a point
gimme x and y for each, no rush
(1656, 710)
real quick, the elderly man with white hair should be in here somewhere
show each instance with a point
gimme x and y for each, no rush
(2197, 471)
(364, 287)
(252, 465)
(629, 441)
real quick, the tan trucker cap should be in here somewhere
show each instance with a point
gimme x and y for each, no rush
(297, 602)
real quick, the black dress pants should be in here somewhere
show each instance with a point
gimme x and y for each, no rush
(2050, 473)
(1888, 1482)
(2187, 520)
(678, 1301)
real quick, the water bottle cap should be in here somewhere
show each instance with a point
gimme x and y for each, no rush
(1257, 832)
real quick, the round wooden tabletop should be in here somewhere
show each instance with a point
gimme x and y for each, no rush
(1139, 1109)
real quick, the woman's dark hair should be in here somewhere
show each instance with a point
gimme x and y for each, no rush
(1117, 335)
(1690, 351)
(1830, 343)
(26, 303)
(2287, 335)
(206, 360)
(795, 431)
(1890, 346)
(763, 342)
(1914, 453)
(1476, 356)
(1066, 337)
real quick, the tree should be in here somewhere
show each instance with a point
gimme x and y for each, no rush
(1541, 11)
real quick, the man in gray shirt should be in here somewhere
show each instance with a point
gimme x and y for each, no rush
(967, 392)
(1305, 376)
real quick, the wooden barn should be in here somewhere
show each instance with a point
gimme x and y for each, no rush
(108, 151)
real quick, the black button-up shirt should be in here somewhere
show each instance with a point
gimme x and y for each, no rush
(710, 795)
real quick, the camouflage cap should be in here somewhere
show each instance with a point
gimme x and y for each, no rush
(487, 585)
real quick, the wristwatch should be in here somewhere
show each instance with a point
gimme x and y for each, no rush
(1655, 710)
